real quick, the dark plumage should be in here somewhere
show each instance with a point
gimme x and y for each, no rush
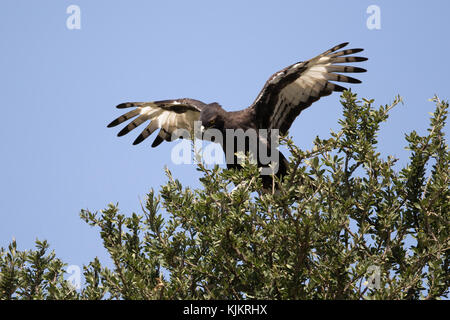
(287, 93)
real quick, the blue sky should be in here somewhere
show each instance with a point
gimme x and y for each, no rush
(59, 88)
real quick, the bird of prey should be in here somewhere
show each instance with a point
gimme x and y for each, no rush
(284, 96)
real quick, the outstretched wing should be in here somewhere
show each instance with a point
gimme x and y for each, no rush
(166, 115)
(296, 87)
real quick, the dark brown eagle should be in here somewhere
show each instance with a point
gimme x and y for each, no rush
(287, 93)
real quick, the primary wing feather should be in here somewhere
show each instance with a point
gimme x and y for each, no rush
(297, 86)
(166, 115)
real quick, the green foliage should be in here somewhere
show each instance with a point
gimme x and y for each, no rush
(32, 274)
(344, 224)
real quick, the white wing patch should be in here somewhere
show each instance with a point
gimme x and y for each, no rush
(168, 115)
(311, 81)
(305, 82)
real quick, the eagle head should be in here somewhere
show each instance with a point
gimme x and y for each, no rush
(212, 117)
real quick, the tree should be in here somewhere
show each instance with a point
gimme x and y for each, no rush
(345, 223)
